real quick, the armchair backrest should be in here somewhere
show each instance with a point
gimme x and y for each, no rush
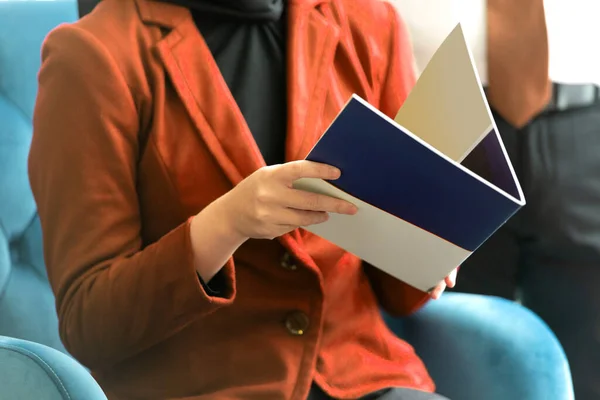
(26, 301)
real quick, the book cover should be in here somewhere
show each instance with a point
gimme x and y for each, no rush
(431, 186)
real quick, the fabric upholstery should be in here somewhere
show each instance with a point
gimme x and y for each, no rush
(480, 347)
(32, 371)
(26, 302)
(23, 27)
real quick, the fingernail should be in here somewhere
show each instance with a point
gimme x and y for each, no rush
(335, 173)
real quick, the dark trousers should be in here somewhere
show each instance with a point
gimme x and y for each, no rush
(548, 255)
(390, 394)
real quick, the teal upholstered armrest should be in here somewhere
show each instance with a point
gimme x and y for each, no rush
(32, 371)
(480, 347)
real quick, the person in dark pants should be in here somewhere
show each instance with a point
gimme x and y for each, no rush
(548, 255)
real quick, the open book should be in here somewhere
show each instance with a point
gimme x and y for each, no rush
(431, 186)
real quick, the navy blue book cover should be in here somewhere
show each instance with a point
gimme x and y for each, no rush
(391, 170)
(410, 194)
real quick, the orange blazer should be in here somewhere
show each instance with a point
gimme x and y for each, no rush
(134, 132)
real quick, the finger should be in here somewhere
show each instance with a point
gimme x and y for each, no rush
(301, 200)
(298, 218)
(437, 292)
(295, 170)
(451, 279)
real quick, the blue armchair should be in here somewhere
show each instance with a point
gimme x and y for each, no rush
(475, 347)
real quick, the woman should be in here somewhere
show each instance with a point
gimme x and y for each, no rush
(154, 126)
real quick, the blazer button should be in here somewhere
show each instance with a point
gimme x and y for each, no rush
(288, 263)
(297, 323)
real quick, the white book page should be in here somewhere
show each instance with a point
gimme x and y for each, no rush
(447, 107)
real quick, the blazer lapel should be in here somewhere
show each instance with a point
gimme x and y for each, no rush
(196, 77)
(312, 43)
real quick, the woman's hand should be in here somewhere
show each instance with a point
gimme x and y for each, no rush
(449, 281)
(265, 205)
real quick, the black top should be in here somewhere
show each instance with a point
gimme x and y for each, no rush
(247, 40)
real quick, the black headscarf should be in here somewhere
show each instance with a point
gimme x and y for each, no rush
(266, 10)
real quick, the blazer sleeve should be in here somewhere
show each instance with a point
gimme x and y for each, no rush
(114, 298)
(395, 296)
